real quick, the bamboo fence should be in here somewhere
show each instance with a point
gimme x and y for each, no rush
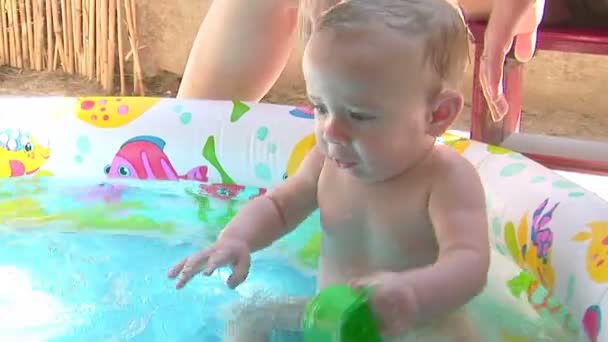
(84, 37)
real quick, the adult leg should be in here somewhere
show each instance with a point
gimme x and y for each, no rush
(240, 49)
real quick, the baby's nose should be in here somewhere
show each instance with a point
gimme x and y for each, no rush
(335, 132)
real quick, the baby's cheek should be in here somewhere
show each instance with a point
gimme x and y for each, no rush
(319, 139)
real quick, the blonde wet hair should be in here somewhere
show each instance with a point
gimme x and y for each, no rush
(440, 24)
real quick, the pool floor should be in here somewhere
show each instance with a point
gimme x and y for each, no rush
(61, 280)
(96, 287)
(86, 260)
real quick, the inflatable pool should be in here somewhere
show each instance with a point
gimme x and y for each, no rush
(100, 196)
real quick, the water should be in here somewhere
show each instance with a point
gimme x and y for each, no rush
(86, 260)
(73, 267)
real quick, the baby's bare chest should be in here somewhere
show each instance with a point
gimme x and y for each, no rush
(386, 226)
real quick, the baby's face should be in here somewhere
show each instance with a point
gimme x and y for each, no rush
(370, 92)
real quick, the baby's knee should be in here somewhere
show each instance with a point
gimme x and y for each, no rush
(256, 321)
(243, 325)
(462, 328)
(455, 327)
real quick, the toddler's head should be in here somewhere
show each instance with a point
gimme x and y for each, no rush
(383, 76)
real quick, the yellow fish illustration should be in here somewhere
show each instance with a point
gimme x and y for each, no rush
(113, 112)
(298, 153)
(20, 154)
(597, 252)
(460, 145)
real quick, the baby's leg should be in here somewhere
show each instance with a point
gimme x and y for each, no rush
(459, 326)
(256, 321)
(454, 327)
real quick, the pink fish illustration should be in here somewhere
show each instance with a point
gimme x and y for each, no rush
(305, 112)
(592, 322)
(143, 157)
(542, 235)
(104, 192)
(228, 191)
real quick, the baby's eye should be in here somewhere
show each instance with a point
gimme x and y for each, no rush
(361, 117)
(320, 109)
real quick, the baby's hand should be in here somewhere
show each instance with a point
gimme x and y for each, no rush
(392, 301)
(233, 252)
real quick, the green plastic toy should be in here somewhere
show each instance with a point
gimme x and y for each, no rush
(340, 314)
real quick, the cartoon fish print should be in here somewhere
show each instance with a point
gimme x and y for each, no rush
(303, 112)
(21, 154)
(229, 191)
(239, 109)
(592, 322)
(531, 244)
(456, 142)
(143, 157)
(113, 112)
(447, 137)
(459, 146)
(597, 252)
(541, 299)
(105, 192)
(299, 152)
(541, 234)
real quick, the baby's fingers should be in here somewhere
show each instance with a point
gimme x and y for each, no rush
(240, 271)
(186, 275)
(189, 268)
(217, 260)
(361, 283)
(188, 272)
(175, 270)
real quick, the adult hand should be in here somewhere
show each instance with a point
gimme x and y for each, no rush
(511, 22)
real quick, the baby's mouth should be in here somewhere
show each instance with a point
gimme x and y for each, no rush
(343, 164)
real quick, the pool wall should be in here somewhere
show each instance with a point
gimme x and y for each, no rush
(550, 227)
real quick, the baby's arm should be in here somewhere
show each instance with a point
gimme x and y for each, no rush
(267, 218)
(458, 213)
(240, 49)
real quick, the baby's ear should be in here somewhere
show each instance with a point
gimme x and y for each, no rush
(445, 109)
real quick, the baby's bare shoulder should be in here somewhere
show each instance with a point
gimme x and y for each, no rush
(446, 159)
(449, 166)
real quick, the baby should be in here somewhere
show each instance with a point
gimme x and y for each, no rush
(399, 213)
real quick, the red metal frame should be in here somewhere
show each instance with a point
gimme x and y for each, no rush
(483, 128)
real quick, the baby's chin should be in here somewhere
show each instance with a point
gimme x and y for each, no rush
(373, 174)
(366, 174)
